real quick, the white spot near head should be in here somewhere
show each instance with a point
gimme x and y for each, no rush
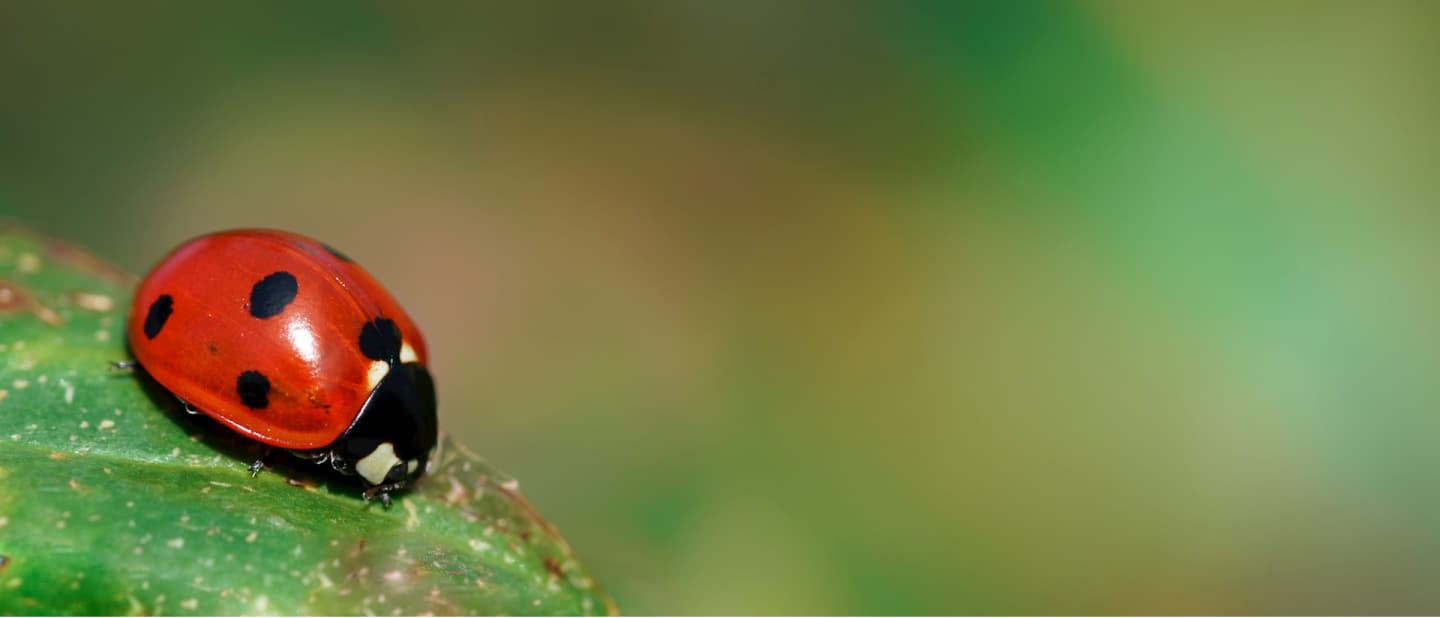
(377, 464)
(378, 371)
(407, 353)
(411, 465)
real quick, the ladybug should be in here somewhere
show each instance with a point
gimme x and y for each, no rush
(288, 342)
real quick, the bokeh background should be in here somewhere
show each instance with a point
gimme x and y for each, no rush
(820, 307)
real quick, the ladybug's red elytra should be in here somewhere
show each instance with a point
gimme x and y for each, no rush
(288, 342)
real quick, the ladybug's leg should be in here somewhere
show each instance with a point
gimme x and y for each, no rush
(125, 365)
(259, 463)
(383, 491)
(189, 409)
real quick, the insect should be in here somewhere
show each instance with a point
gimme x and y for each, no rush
(288, 342)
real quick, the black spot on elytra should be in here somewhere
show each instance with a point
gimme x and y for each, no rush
(271, 294)
(160, 311)
(254, 389)
(380, 340)
(336, 252)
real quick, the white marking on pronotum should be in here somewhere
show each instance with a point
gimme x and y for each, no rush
(378, 463)
(407, 354)
(378, 370)
(411, 465)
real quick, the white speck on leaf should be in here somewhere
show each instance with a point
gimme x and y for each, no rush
(106, 424)
(176, 543)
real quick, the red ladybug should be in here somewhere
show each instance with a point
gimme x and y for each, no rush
(286, 341)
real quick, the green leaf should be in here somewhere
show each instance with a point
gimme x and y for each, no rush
(114, 501)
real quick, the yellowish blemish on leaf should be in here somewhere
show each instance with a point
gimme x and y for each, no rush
(93, 301)
(28, 263)
(412, 519)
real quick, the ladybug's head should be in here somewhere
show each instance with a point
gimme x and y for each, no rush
(389, 444)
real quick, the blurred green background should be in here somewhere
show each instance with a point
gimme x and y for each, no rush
(811, 307)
